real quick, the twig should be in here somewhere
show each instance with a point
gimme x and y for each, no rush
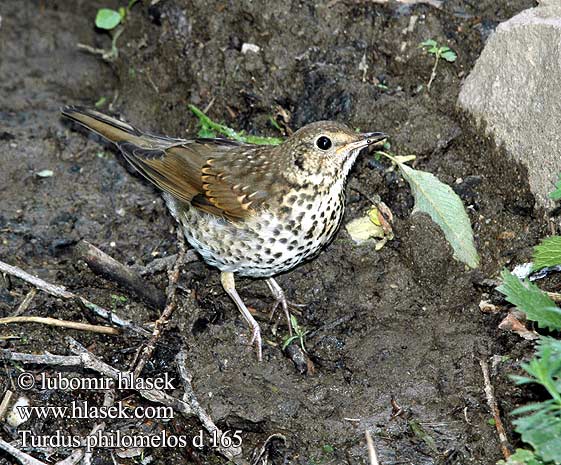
(76, 455)
(5, 403)
(45, 359)
(22, 457)
(190, 398)
(170, 307)
(60, 324)
(164, 263)
(257, 456)
(85, 359)
(371, 449)
(492, 403)
(25, 302)
(102, 264)
(60, 291)
(108, 401)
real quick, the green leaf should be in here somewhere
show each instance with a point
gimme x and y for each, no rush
(209, 126)
(522, 457)
(206, 133)
(328, 448)
(429, 43)
(547, 253)
(107, 19)
(531, 300)
(542, 430)
(449, 55)
(446, 209)
(556, 194)
(100, 102)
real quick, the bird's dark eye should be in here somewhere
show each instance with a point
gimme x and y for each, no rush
(324, 143)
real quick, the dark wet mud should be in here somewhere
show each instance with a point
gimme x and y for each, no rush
(402, 323)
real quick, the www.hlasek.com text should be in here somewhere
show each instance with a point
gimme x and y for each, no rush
(83, 409)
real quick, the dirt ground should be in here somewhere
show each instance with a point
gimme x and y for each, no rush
(401, 323)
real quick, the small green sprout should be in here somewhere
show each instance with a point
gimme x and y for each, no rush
(299, 334)
(328, 449)
(274, 123)
(117, 300)
(439, 51)
(109, 19)
(102, 101)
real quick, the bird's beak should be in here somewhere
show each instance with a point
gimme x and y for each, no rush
(366, 139)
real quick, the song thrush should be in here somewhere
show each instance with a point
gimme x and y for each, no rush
(250, 210)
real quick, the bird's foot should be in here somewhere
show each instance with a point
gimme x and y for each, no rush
(256, 339)
(282, 301)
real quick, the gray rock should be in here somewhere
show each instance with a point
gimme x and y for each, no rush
(515, 90)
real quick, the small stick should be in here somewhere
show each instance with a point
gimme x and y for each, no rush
(371, 449)
(164, 263)
(190, 398)
(26, 302)
(22, 457)
(5, 403)
(104, 265)
(170, 307)
(45, 359)
(60, 291)
(85, 359)
(60, 324)
(108, 400)
(492, 403)
(258, 456)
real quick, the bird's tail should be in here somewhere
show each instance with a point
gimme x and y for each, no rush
(110, 128)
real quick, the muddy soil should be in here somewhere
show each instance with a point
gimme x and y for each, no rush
(402, 323)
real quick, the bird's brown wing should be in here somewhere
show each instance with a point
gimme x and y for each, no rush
(208, 173)
(218, 176)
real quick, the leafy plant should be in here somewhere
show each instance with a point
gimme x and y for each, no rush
(299, 334)
(547, 252)
(531, 300)
(108, 19)
(539, 424)
(522, 457)
(210, 129)
(117, 301)
(438, 51)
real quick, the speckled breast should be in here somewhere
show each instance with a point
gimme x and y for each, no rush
(271, 242)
